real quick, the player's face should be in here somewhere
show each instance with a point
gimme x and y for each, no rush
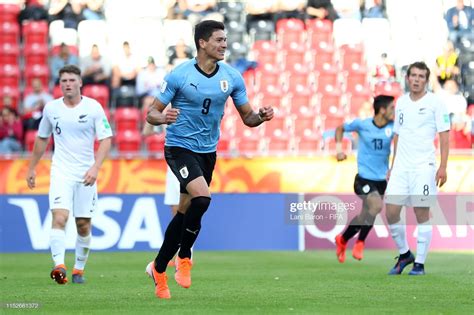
(216, 45)
(417, 80)
(70, 85)
(390, 112)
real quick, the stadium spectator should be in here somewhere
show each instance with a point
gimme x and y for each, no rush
(191, 141)
(69, 11)
(65, 57)
(95, 68)
(93, 10)
(198, 10)
(460, 20)
(347, 9)
(375, 138)
(447, 64)
(460, 135)
(290, 9)
(33, 105)
(373, 9)
(74, 167)
(260, 10)
(125, 68)
(178, 53)
(321, 9)
(413, 178)
(384, 70)
(34, 10)
(455, 102)
(11, 131)
(148, 84)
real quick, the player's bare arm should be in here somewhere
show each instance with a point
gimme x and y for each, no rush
(395, 142)
(253, 119)
(441, 174)
(340, 156)
(38, 151)
(156, 116)
(91, 175)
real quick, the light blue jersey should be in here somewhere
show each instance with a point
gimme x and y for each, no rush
(374, 147)
(201, 98)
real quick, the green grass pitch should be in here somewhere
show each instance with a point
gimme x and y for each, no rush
(265, 282)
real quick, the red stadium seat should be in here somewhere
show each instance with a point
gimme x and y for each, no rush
(278, 125)
(40, 71)
(223, 146)
(280, 143)
(290, 30)
(128, 141)
(155, 143)
(356, 98)
(331, 122)
(310, 144)
(127, 118)
(36, 53)
(326, 76)
(9, 12)
(350, 54)
(9, 75)
(35, 32)
(98, 92)
(330, 101)
(265, 51)
(9, 32)
(294, 53)
(9, 54)
(318, 31)
(267, 75)
(248, 143)
(388, 88)
(271, 96)
(305, 126)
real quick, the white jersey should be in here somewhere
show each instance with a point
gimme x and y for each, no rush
(74, 130)
(417, 123)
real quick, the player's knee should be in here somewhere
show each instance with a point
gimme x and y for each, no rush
(199, 205)
(196, 211)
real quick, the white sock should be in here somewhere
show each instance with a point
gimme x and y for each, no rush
(57, 241)
(83, 244)
(399, 235)
(425, 231)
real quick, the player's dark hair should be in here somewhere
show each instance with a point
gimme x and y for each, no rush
(70, 69)
(419, 65)
(204, 30)
(382, 101)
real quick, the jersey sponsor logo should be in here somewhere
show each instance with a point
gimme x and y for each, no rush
(224, 86)
(82, 116)
(163, 86)
(184, 172)
(388, 132)
(421, 111)
(194, 85)
(56, 117)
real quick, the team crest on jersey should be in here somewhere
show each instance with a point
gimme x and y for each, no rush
(388, 132)
(184, 172)
(163, 86)
(224, 85)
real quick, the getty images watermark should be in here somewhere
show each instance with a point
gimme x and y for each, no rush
(339, 209)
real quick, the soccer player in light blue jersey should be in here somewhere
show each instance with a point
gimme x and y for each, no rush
(197, 91)
(375, 137)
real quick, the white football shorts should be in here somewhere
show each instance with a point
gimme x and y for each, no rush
(73, 195)
(413, 188)
(172, 191)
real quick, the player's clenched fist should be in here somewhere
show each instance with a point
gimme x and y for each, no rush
(171, 115)
(265, 113)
